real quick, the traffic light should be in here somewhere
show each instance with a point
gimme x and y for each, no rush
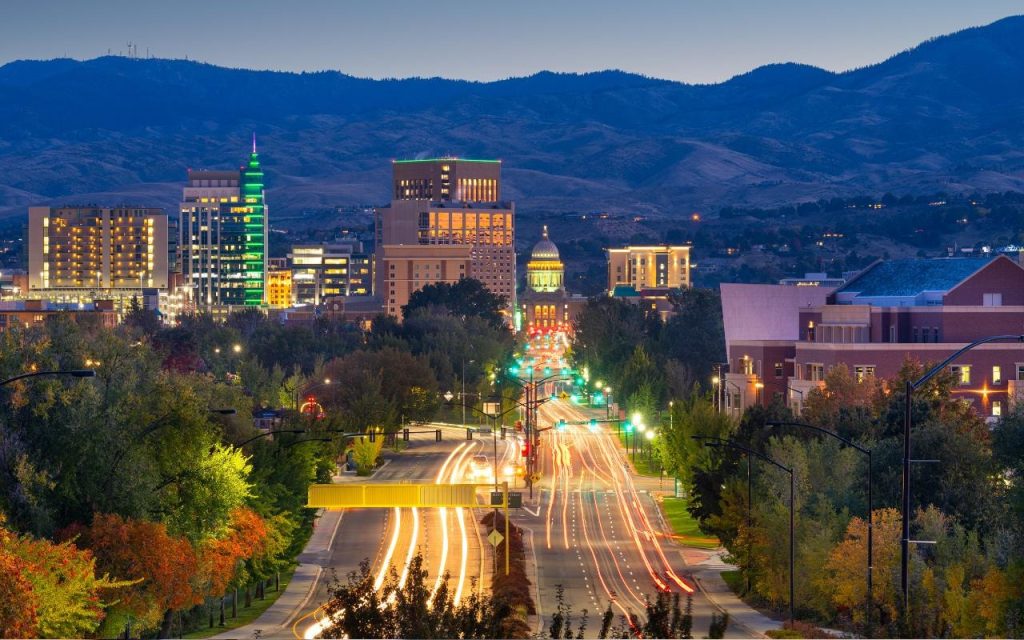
(593, 424)
(519, 425)
(526, 450)
(547, 371)
(629, 427)
(561, 425)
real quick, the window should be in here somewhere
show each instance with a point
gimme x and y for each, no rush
(778, 370)
(862, 371)
(962, 373)
(810, 331)
(816, 372)
(915, 334)
(997, 408)
(892, 333)
(1020, 370)
(935, 334)
(997, 375)
(992, 299)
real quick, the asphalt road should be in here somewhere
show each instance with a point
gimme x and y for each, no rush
(450, 540)
(595, 533)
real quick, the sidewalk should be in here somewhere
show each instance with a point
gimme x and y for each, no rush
(275, 622)
(708, 576)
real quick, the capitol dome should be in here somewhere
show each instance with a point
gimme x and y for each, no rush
(545, 249)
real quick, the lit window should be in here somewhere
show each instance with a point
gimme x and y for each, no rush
(962, 373)
(997, 375)
(997, 408)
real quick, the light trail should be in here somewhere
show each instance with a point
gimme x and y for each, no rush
(412, 547)
(612, 597)
(386, 563)
(443, 517)
(460, 517)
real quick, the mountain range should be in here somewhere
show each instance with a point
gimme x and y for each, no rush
(947, 115)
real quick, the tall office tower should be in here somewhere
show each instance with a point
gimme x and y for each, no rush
(223, 228)
(80, 254)
(446, 202)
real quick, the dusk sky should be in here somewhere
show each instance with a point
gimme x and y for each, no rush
(684, 40)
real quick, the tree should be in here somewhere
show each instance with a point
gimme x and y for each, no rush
(694, 336)
(365, 453)
(846, 568)
(466, 298)
(163, 565)
(406, 610)
(19, 604)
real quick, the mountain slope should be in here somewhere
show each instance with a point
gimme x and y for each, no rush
(946, 115)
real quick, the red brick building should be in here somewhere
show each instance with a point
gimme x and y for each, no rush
(923, 309)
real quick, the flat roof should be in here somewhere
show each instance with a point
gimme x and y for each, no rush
(445, 160)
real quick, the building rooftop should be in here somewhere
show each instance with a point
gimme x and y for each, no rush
(445, 159)
(911, 277)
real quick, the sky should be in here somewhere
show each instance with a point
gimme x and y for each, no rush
(696, 41)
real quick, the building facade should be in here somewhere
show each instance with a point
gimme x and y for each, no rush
(545, 306)
(649, 267)
(332, 269)
(83, 254)
(411, 267)
(223, 236)
(449, 202)
(891, 312)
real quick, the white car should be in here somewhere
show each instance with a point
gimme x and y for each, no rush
(480, 470)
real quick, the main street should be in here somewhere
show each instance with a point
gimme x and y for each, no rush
(450, 540)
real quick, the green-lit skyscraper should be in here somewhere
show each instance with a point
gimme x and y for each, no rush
(224, 236)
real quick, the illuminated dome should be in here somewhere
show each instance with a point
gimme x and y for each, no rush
(545, 249)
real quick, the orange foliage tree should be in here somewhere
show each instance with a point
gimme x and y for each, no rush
(142, 550)
(847, 570)
(221, 558)
(18, 603)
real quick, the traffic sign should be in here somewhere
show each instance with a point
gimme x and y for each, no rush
(495, 538)
(484, 430)
(497, 498)
(535, 477)
(515, 500)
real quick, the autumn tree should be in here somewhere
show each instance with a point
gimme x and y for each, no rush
(164, 566)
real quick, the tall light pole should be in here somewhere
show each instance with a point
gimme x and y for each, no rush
(719, 442)
(73, 373)
(907, 424)
(871, 528)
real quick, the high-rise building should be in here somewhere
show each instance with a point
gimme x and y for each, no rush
(649, 267)
(411, 267)
(223, 227)
(81, 254)
(451, 202)
(330, 269)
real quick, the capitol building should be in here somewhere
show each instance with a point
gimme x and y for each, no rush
(545, 305)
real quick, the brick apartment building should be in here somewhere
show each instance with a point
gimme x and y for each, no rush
(782, 341)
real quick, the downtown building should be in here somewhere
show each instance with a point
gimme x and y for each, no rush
(646, 275)
(329, 270)
(79, 255)
(782, 341)
(446, 221)
(223, 237)
(544, 305)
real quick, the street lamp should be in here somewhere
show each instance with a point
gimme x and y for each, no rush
(866, 452)
(237, 348)
(907, 423)
(73, 373)
(719, 442)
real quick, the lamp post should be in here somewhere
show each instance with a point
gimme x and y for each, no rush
(464, 391)
(871, 528)
(73, 373)
(907, 424)
(607, 402)
(719, 442)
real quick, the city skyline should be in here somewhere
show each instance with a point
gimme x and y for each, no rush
(665, 40)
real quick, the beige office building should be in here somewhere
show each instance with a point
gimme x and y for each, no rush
(448, 202)
(80, 254)
(411, 267)
(649, 267)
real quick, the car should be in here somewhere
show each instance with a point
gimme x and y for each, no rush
(480, 469)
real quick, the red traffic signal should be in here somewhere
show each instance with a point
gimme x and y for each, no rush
(526, 450)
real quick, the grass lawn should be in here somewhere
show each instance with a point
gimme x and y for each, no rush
(639, 461)
(685, 527)
(245, 615)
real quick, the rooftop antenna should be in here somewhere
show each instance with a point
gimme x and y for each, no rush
(254, 142)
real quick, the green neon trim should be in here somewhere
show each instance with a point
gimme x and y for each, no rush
(445, 160)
